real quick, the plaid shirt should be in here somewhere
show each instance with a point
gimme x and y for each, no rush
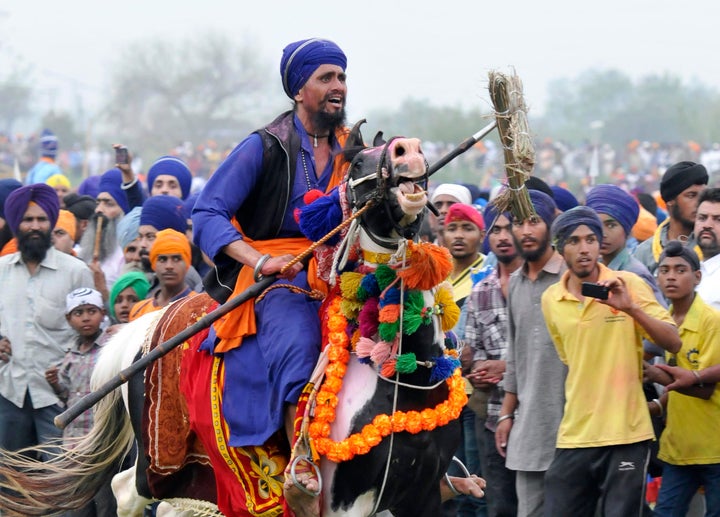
(74, 376)
(486, 333)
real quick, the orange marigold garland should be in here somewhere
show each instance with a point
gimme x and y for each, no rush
(382, 425)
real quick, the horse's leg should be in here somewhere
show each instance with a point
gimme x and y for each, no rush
(129, 502)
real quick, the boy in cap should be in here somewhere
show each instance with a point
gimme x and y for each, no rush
(603, 442)
(679, 188)
(70, 379)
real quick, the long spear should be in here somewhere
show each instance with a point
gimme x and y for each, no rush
(89, 400)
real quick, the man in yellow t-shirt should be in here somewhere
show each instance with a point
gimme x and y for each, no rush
(689, 444)
(603, 439)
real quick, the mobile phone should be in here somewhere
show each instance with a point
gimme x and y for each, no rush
(121, 156)
(594, 290)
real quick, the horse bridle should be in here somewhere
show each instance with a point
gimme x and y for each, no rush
(378, 195)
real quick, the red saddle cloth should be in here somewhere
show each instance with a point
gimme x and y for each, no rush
(186, 435)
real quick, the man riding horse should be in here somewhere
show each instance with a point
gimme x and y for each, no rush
(245, 215)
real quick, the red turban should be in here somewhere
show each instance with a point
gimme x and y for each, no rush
(463, 212)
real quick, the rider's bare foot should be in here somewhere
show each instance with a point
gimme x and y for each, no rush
(472, 485)
(301, 503)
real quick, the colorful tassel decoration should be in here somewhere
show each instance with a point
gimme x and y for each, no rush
(368, 288)
(406, 363)
(381, 352)
(365, 347)
(389, 296)
(321, 215)
(444, 367)
(447, 308)
(349, 283)
(368, 318)
(385, 276)
(388, 331)
(431, 264)
(388, 368)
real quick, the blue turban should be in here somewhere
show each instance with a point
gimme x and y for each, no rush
(111, 182)
(17, 203)
(544, 206)
(564, 199)
(163, 212)
(89, 186)
(6, 187)
(171, 166)
(613, 201)
(567, 222)
(127, 227)
(48, 143)
(302, 58)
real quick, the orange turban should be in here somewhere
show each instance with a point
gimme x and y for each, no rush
(66, 221)
(170, 242)
(645, 226)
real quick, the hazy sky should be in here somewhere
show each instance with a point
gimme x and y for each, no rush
(439, 50)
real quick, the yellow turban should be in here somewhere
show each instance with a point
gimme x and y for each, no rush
(58, 180)
(170, 242)
(66, 221)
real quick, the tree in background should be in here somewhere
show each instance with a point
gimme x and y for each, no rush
(163, 93)
(16, 93)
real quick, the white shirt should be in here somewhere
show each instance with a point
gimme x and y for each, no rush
(32, 317)
(709, 287)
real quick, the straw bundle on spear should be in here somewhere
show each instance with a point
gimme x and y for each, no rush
(506, 94)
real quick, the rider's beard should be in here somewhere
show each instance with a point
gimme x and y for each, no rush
(324, 121)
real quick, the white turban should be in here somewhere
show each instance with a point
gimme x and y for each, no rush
(462, 194)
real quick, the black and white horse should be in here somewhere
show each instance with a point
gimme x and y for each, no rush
(402, 473)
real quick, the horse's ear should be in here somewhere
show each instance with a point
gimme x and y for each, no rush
(379, 140)
(355, 138)
(354, 143)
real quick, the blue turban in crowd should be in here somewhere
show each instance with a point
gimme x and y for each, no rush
(544, 206)
(127, 227)
(171, 166)
(89, 186)
(17, 203)
(6, 187)
(111, 182)
(302, 58)
(48, 143)
(567, 222)
(613, 201)
(564, 199)
(163, 212)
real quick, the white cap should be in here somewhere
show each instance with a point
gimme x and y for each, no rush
(83, 296)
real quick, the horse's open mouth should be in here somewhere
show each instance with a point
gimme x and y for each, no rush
(411, 196)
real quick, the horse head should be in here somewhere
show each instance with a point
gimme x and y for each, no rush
(393, 176)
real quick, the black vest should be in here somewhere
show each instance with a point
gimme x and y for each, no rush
(262, 213)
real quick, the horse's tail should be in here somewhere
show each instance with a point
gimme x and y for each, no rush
(73, 475)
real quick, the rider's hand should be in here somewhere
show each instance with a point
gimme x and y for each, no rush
(274, 265)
